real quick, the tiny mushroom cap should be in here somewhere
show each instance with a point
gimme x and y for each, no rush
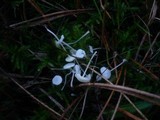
(77, 69)
(69, 58)
(106, 73)
(62, 38)
(80, 53)
(84, 79)
(58, 42)
(90, 48)
(68, 65)
(124, 60)
(57, 80)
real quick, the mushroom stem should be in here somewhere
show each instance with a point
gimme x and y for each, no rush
(124, 60)
(68, 46)
(80, 38)
(52, 33)
(71, 83)
(89, 63)
(59, 39)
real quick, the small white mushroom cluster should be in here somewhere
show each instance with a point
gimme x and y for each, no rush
(72, 64)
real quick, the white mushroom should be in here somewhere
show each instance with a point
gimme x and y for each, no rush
(69, 58)
(68, 65)
(124, 60)
(57, 80)
(59, 41)
(79, 53)
(91, 49)
(106, 73)
(86, 78)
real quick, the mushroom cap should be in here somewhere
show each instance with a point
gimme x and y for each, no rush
(62, 38)
(80, 53)
(57, 80)
(91, 49)
(59, 41)
(68, 65)
(106, 73)
(69, 58)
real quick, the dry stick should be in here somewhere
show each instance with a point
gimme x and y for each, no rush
(123, 111)
(153, 12)
(144, 117)
(156, 18)
(154, 41)
(55, 114)
(100, 114)
(141, 43)
(32, 83)
(26, 77)
(130, 115)
(50, 17)
(32, 2)
(126, 99)
(56, 5)
(143, 39)
(84, 73)
(157, 52)
(103, 8)
(125, 72)
(155, 99)
(146, 70)
(114, 61)
(84, 102)
(114, 113)
(120, 97)
(69, 107)
(53, 100)
(110, 96)
(75, 107)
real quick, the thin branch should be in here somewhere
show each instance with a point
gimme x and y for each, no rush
(144, 117)
(116, 108)
(84, 103)
(54, 113)
(154, 41)
(153, 98)
(49, 17)
(52, 99)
